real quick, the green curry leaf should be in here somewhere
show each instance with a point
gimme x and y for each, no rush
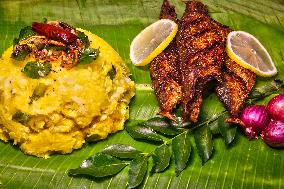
(121, 151)
(88, 55)
(141, 132)
(112, 73)
(204, 143)
(214, 127)
(99, 165)
(228, 131)
(275, 86)
(137, 170)
(39, 92)
(161, 158)
(21, 117)
(162, 126)
(25, 33)
(20, 52)
(181, 149)
(156, 121)
(36, 70)
(84, 38)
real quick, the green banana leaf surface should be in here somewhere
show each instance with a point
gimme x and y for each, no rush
(245, 164)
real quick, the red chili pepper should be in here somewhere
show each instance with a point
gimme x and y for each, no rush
(54, 32)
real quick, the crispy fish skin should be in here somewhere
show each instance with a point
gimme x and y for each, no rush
(164, 71)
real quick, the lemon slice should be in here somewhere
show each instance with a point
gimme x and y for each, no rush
(247, 51)
(152, 41)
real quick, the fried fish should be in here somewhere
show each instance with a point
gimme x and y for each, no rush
(201, 43)
(164, 71)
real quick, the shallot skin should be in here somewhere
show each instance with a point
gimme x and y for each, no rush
(273, 135)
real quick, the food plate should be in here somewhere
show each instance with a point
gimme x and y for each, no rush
(245, 164)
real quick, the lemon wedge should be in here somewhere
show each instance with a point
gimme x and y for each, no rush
(247, 51)
(152, 41)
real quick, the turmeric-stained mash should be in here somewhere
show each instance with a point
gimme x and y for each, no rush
(58, 110)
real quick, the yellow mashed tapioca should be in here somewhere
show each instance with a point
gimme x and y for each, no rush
(85, 102)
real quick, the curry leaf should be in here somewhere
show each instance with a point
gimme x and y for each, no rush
(228, 131)
(88, 55)
(156, 121)
(112, 73)
(162, 126)
(20, 52)
(25, 33)
(214, 127)
(21, 117)
(99, 165)
(35, 70)
(179, 123)
(141, 132)
(161, 158)
(82, 36)
(204, 143)
(121, 151)
(181, 150)
(137, 170)
(39, 92)
(273, 87)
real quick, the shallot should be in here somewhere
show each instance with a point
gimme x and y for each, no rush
(255, 119)
(273, 135)
(275, 108)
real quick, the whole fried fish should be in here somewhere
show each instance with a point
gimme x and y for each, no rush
(201, 43)
(164, 71)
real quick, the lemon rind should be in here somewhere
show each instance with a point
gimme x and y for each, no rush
(157, 50)
(243, 63)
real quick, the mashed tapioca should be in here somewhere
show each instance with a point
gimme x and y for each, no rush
(59, 112)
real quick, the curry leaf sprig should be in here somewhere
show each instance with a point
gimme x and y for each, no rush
(172, 140)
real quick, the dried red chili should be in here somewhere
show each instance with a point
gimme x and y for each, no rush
(54, 32)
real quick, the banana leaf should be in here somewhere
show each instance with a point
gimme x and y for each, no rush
(245, 164)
